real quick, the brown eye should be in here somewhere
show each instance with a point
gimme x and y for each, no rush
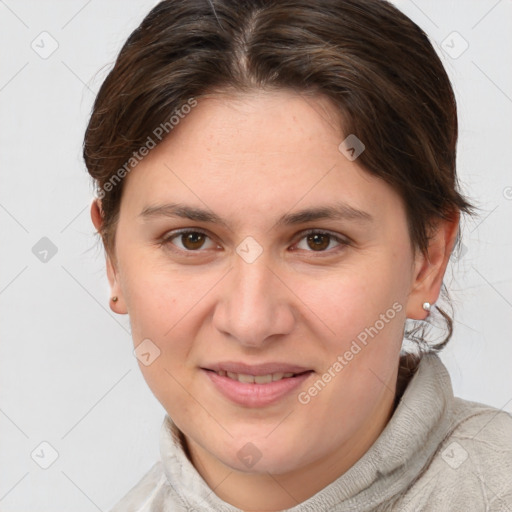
(189, 241)
(193, 240)
(321, 241)
(318, 241)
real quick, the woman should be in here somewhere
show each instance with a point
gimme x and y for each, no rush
(277, 195)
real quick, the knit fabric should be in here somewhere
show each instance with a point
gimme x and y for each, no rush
(437, 453)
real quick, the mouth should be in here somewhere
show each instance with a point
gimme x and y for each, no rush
(256, 386)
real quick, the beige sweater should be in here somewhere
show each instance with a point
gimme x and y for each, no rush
(437, 453)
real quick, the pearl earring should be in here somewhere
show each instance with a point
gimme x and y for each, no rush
(427, 306)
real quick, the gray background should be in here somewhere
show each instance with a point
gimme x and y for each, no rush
(68, 376)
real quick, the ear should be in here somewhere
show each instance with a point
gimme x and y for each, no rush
(429, 268)
(119, 306)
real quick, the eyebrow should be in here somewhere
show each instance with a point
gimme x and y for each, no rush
(338, 211)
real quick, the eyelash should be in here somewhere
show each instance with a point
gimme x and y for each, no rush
(167, 240)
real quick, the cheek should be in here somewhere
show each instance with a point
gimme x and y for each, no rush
(164, 306)
(157, 297)
(158, 313)
(354, 298)
(364, 306)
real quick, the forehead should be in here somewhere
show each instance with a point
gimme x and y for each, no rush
(255, 128)
(261, 153)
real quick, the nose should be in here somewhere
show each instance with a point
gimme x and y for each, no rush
(255, 305)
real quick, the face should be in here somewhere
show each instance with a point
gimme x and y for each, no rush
(248, 243)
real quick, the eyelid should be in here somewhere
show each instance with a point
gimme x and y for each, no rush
(175, 232)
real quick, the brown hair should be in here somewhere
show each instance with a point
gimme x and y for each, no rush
(369, 59)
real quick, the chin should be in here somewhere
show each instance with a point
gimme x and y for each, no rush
(263, 456)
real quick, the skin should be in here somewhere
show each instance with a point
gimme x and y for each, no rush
(251, 159)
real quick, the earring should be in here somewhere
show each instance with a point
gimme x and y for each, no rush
(427, 306)
(114, 298)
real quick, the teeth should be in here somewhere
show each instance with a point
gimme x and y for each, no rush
(256, 379)
(245, 378)
(263, 379)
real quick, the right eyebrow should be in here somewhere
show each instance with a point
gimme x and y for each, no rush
(182, 211)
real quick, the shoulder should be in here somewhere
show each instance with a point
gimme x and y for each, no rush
(483, 423)
(482, 436)
(472, 467)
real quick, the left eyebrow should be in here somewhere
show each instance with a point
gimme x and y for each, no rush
(338, 211)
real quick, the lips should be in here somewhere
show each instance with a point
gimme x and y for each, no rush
(256, 385)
